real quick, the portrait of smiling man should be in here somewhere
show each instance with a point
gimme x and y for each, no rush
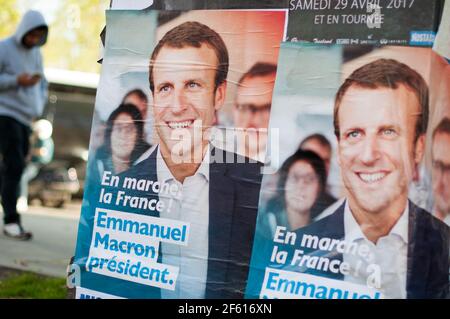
(380, 121)
(188, 85)
(218, 191)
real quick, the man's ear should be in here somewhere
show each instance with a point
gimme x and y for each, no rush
(219, 95)
(419, 149)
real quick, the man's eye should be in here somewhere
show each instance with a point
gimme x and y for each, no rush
(354, 134)
(389, 132)
(164, 88)
(193, 85)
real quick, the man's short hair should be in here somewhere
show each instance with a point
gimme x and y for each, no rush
(138, 92)
(321, 139)
(194, 34)
(442, 127)
(259, 69)
(387, 73)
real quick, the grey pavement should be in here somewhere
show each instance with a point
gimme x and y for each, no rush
(54, 238)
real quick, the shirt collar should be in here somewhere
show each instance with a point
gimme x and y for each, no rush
(353, 230)
(447, 220)
(164, 174)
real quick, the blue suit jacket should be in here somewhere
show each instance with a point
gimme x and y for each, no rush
(428, 251)
(234, 186)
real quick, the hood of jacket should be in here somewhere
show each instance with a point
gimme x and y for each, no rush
(31, 20)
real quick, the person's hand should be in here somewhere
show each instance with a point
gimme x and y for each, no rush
(28, 80)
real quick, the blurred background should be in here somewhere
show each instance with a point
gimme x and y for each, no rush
(70, 58)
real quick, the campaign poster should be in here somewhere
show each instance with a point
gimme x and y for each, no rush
(359, 206)
(386, 22)
(167, 213)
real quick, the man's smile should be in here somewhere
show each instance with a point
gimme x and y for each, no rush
(179, 124)
(372, 177)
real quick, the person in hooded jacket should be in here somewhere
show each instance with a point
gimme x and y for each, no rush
(23, 94)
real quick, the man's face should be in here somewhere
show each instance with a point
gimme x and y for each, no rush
(377, 154)
(252, 107)
(141, 104)
(32, 38)
(185, 97)
(323, 151)
(441, 172)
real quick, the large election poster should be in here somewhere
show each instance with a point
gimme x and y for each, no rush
(167, 212)
(354, 211)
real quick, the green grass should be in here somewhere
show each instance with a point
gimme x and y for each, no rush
(29, 285)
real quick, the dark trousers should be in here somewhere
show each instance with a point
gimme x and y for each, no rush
(14, 146)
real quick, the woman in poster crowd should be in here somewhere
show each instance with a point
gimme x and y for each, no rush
(123, 141)
(302, 178)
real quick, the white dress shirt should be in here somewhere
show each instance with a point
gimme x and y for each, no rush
(447, 220)
(389, 255)
(190, 205)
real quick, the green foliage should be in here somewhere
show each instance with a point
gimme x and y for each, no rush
(74, 33)
(9, 17)
(29, 285)
(74, 37)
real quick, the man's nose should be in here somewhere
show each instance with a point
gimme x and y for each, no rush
(370, 152)
(252, 122)
(179, 103)
(257, 121)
